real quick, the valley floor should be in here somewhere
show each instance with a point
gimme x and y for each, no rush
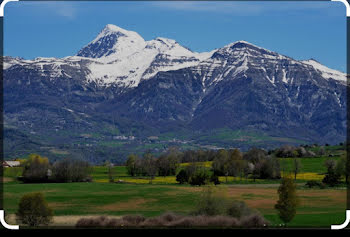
(71, 201)
(135, 195)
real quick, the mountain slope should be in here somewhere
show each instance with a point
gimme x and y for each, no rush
(120, 84)
(232, 89)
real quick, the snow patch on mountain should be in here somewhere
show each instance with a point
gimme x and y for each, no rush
(51, 67)
(327, 73)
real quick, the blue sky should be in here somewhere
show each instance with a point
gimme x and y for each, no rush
(301, 30)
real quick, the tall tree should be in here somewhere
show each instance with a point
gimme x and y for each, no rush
(333, 176)
(288, 200)
(236, 163)
(343, 168)
(71, 170)
(110, 167)
(254, 155)
(131, 164)
(221, 163)
(36, 168)
(167, 163)
(296, 167)
(150, 165)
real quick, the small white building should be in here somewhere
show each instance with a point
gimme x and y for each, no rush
(8, 163)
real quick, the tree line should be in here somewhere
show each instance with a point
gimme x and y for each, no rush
(37, 169)
(255, 163)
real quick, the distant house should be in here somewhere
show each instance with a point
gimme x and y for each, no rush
(10, 163)
(85, 136)
(111, 165)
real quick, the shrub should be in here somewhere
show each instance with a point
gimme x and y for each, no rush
(314, 183)
(169, 217)
(164, 220)
(219, 221)
(211, 203)
(183, 222)
(255, 220)
(191, 168)
(153, 222)
(238, 209)
(34, 210)
(182, 177)
(172, 220)
(200, 177)
(331, 178)
(214, 179)
(133, 219)
(101, 221)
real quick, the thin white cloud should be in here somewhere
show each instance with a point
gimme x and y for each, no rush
(67, 10)
(70, 10)
(242, 8)
(226, 7)
(64, 9)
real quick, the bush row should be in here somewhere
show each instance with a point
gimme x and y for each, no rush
(173, 220)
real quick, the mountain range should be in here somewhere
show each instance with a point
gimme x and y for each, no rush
(121, 94)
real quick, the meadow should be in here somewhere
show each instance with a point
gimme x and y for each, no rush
(136, 195)
(318, 208)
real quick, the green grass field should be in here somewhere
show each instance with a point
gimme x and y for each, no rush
(309, 165)
(318, 207)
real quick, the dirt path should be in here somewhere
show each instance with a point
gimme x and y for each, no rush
(59, 220)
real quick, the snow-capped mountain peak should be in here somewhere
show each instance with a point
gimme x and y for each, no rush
(123, 57)
(109, 28)
(240, 42)
(111, 41)
(242, 47)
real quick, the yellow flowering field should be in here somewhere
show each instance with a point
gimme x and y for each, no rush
(308, 176)
(172, 179)
(205, 164)
(141, 180)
